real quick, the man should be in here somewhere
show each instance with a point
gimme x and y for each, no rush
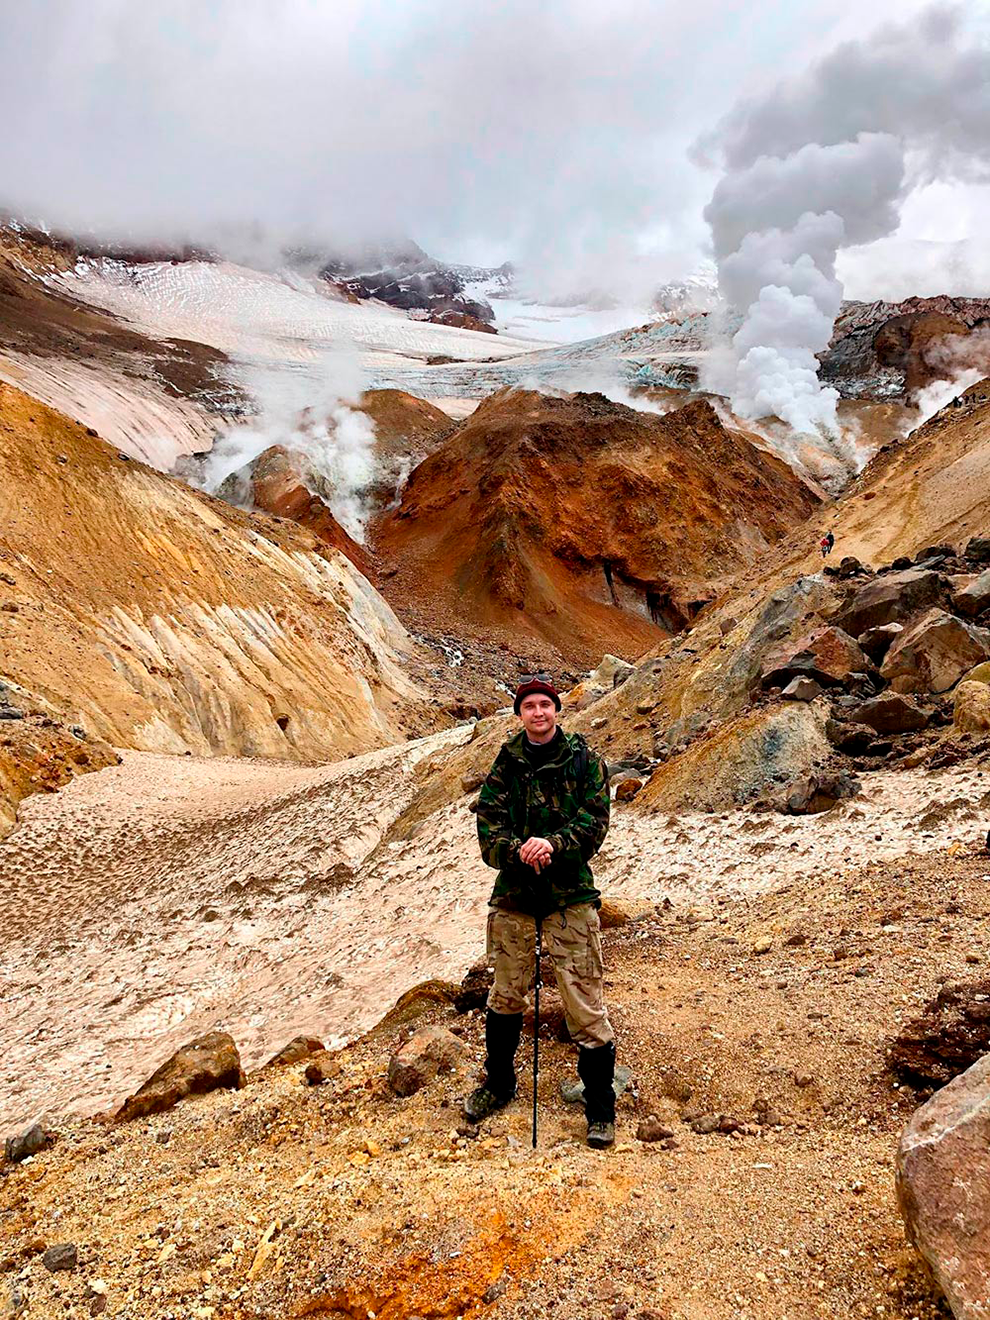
(542, 814)
(828, 540)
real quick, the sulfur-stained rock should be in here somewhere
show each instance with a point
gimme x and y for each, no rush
(934, 653)
(622, 911)
(429, 1051)
(205, 1064)
(943, 1189)
(627, 788)
(971, 707)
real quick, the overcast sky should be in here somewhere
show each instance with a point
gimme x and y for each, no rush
(557, 133)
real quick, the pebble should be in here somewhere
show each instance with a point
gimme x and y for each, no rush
(63, 1256)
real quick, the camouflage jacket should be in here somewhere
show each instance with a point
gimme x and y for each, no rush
(553, 801)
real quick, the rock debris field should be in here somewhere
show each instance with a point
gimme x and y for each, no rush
(162, 897)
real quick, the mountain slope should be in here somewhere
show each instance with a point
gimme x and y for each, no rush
(583, 524)
(161, 619)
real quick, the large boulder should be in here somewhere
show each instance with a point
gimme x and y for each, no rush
(974, 598)
(742, 760)
(948, 1036)
(205, 1064)
(943, 1189)
(429, 1051)
(891, 712)
(971, 707)
(816, 793)
(828, 655)
(893, 598)
(978, 549)
(934, 653)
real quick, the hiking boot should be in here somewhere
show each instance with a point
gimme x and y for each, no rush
(596, 1068)
(482, 1103)
(502, 1032)
(601, 1135)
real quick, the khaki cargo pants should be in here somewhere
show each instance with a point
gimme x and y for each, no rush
(573, 939)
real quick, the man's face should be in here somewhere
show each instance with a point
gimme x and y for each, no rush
(539, 716)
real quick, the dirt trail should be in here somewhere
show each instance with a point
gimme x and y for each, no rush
(169, 895)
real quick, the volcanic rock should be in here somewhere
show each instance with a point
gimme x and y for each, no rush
(978, 549)
(817, 793)
(890, 713)
(828, 656)
(651, 1129)
(876, 641)
(950, 1034)
(416, 1063)
(801, 689)
(205, 1064)
(64, 1256)
(322, 1067)
(893, 598)
(29, 1142)
(971, 708)
(975, 598)
(934, 653)
(299, 1048)
(627, 788)
(473, 990)
(532, 520)
(943, 1189)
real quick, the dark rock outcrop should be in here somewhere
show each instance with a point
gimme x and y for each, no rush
(891, 712)
(948, 1037)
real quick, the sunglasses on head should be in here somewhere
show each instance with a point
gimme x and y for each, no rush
(541, 677)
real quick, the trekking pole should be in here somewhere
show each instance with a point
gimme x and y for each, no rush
(536, 1024)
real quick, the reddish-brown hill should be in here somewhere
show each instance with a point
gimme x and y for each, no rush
(581, 524)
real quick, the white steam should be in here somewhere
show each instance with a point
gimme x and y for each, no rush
(965, 359)
(306, 411)
(823, 163)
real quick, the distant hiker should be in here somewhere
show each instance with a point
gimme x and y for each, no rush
(828, 540)
(542, 814)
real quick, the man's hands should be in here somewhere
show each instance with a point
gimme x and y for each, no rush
(536, 853)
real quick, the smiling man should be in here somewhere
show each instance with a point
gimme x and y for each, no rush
(542, 815)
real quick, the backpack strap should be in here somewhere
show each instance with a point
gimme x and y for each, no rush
(582, 758)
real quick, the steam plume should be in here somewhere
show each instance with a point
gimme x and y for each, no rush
(307, 412)
(822, 163)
